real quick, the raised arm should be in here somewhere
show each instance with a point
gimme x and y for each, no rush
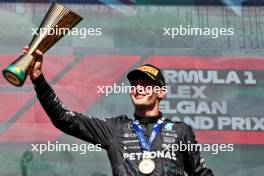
(88, 128)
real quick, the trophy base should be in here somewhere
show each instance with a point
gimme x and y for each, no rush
(14, 75)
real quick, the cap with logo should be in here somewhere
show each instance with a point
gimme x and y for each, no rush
(147, 71)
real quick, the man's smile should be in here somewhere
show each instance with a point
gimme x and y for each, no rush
(139, 96)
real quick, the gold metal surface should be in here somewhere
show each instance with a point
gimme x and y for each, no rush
(58, 19)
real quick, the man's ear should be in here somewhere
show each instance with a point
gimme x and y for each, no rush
(162, 92)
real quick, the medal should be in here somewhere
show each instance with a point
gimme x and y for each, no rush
(146, 166)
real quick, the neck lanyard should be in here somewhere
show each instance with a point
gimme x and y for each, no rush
(144, 144)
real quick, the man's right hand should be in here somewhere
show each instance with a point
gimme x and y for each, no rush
(35, 72)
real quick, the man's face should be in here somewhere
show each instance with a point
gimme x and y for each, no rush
(143, 94)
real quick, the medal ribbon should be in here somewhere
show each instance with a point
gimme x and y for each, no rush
(144, 144)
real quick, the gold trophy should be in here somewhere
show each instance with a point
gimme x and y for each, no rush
(57, 23)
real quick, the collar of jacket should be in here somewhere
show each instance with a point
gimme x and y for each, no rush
(148, 119)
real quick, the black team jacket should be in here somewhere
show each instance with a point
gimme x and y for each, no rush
(118, 138)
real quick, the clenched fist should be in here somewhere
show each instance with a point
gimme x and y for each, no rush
(35, 72)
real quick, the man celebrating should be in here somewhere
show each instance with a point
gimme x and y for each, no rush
(144, 146)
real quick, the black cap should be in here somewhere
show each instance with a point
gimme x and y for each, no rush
(147, 71)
